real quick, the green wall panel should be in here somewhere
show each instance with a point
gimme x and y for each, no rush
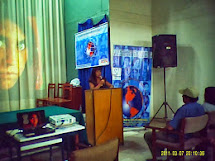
(78, 11)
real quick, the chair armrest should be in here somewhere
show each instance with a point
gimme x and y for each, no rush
(152, 127)
(82, 146)
(164, 130)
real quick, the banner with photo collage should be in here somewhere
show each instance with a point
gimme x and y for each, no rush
(132, 67)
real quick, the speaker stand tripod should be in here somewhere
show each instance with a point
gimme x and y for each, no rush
(165, 104)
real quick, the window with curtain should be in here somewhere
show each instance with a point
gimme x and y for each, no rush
(32, 51)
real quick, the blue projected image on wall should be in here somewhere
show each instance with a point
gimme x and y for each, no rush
(91, 47)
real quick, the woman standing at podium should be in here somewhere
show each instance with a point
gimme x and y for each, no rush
(96, 80)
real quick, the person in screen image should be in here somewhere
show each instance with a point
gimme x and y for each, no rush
(117, 83)
(127, 63)
(137, 64)
(190, 108)
(134, 79)
(30, 121)
(116, 61)
(126, 70)
(14, 52)
(127, 73)
(146, 88)
(117, 50)
(34, 120)
(135, 74)
(145, 75)
(96, 81)
(146, 102)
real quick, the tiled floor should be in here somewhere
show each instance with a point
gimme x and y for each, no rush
(134, 148)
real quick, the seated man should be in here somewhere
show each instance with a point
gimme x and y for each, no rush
(209, 104)
(190, 109)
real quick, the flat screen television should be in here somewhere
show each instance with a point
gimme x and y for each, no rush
(92, 47)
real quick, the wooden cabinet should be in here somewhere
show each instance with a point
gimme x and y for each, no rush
(75, 95)
(104, 119)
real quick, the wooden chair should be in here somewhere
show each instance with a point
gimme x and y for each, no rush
(74, 94)
(67, 89)
(188, 125)
(51, 94)
(211, 120)
(210, 135)
(67, 96)
(65, 100)
(60, 90)
(63, 90)
(103, 152)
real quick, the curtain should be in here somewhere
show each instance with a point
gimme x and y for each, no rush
(32, 51)
(84, 74)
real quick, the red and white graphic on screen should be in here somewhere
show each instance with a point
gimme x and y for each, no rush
(90, 49)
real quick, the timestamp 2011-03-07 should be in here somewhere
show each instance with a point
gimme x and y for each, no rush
(182, 153)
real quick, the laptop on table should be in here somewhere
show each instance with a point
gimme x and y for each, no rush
(33, 123)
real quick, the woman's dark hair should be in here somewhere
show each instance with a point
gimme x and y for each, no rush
(93, 74)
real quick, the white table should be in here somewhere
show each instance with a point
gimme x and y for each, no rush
(46, 140)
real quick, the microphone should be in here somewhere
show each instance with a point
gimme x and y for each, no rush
(101, 80)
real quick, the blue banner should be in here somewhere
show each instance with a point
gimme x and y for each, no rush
(91, 47)
(132, 72)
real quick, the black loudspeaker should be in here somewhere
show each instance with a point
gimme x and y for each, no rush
(164, 51)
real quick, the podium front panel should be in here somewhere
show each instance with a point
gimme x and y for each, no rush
(104, 115)
(90, 120)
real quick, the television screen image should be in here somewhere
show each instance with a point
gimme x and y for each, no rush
(29, 120)
(91, 47)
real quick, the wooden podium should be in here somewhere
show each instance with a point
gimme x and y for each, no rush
(104, 119)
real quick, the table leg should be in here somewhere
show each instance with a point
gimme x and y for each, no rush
(68, 145)
(76, 142)
(50, 154)
(19, 157)
(10, 152)
(62, 151)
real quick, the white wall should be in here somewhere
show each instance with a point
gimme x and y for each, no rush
(130, 22)
(193, 22)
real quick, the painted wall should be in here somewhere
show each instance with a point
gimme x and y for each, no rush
(193, 22)
(77, 11)
(130, 23)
